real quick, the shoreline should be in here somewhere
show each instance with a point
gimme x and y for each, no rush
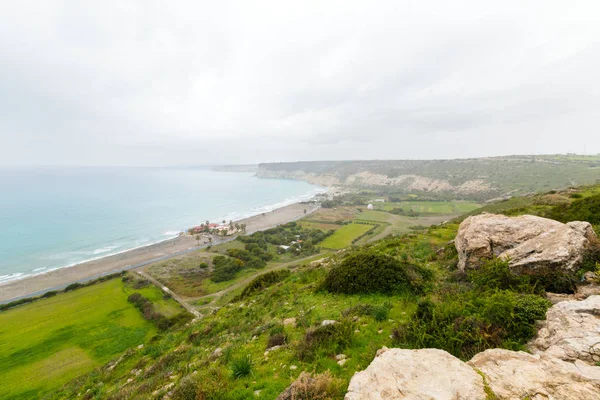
(59, 278)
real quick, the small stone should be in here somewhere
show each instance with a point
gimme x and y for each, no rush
(217, 353)
(289, 321)
(380, 331)
(254, 337)
(328, 322)
(340, 357)
(342, 362)
(356, 331)
(292, 367)
(141, 346)
(257, 393)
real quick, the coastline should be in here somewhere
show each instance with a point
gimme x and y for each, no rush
(60, 278)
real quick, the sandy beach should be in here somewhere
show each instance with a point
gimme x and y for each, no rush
(60, 278)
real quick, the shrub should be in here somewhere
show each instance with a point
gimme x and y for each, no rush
(73, 286)
(582, 209)
(469, 323)
(187, 389)
(370, 272)
(277, 339)
(225, 268)
(496, 274)
(379, 313)
(314, 387)
(263, 281)
(241, 366)
(333, 338)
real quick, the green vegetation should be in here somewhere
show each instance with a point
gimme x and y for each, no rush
(264, 326)
(370, 272)
(264, 281)
(47, 343)
(483, 178)
(344, 236)
(582, 209)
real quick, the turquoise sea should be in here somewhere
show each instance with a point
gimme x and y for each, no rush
(57, 217)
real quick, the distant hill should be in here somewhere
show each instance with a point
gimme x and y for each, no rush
(475, 178)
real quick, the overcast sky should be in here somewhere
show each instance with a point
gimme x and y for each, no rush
(155, 83)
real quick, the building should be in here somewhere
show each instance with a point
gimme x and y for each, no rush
(370, 207)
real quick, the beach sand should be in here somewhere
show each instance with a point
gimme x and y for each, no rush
(60, 278)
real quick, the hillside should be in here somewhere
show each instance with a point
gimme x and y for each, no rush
(347, 282)
(477, 178)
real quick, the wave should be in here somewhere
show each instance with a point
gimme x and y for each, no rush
(11, 277)
(83, 256)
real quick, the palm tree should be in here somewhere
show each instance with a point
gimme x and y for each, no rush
(224, 221)
(198, 239)
(210, 239)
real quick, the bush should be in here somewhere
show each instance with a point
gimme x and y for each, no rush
(187, 390)
(264, 281)
(277, 339)
(241, 366)
(496, 274)
(73, 286)
(370, 272)
(582, 209)
(379, 313)
(225, 268)
(333, 338)
(314, 387)
(469, 323)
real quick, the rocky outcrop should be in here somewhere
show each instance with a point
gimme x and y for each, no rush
(532, 244)
(416, 374)
(499, 374)
(571, 331)
(519, 375)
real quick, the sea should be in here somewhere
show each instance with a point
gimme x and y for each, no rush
(55, 217)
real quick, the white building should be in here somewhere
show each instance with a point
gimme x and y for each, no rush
(370, 207)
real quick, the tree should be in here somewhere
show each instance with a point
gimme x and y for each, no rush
(210, 239)
(305, 211)
(224, 221)
(198, 239)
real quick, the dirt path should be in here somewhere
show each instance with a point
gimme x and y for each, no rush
(217, 295)
(175, 296)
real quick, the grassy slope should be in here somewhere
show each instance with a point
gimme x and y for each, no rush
(242, 329)
(39, 351)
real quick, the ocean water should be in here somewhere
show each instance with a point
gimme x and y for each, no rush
(56, 217)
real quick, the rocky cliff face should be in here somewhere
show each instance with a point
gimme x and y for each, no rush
(365, 179)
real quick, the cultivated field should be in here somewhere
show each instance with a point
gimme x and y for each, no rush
(51, 341)
(344, 236)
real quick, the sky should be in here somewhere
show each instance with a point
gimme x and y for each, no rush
(206, 82)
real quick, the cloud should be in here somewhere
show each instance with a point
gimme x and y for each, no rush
(202, 82)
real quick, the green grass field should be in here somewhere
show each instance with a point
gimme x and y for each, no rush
(344, 236)
(431, 207)
(51, 341)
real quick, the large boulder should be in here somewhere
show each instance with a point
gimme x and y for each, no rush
(416, 374)
(519, 375)
(532, 244)
(571, 331)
